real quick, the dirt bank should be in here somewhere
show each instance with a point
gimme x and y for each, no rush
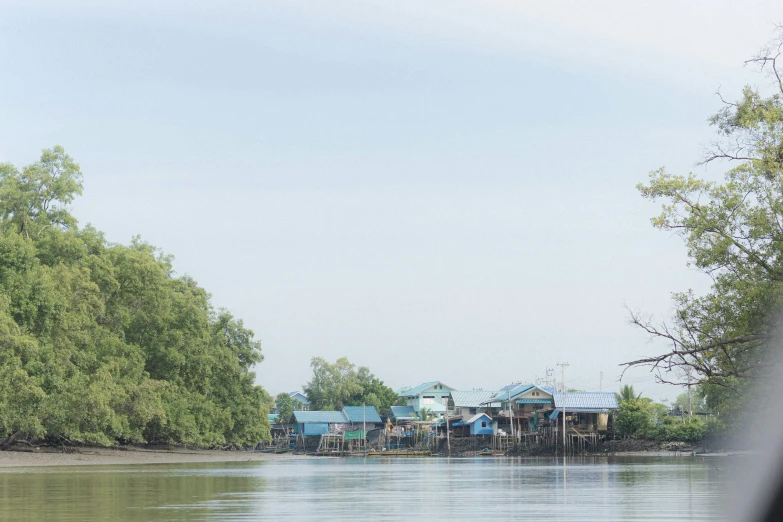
(85, 456)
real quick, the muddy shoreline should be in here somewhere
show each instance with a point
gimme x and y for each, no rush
(97, 456)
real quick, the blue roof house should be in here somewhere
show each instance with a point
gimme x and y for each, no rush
(358, 415)
(469, 403)
(526, 402)
(298, 396)
(403, 414)
(431, 395)
(302, 398)
(310, 423)
(587, 411)
(480, 424)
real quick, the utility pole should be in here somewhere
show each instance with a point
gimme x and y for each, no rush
(510, 414)
(364, 427)
(565, 390)
(690, 404)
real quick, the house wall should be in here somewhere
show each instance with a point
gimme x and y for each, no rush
(467, 413)
(598, 421)
(531, 395)
(312, 428)
(441, 398)
(303, 400)
(477, 429)
(526, 410)
(535, 394)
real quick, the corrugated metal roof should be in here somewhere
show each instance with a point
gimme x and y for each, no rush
(514, 390)
(591, 400)
(416, 389)
(315, 417)
(403, 413)
(477, 417)
(272, 417)
(534, 401)
(355, 414)
(410, 392)
(472, 398)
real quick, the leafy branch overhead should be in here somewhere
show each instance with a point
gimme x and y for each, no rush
(733, 231)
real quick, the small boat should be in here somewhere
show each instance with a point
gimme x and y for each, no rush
(490, 453)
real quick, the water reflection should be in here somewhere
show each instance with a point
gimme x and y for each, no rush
(604, 489)
(127, 492)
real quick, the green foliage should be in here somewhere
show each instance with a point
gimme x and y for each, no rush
(35, 197)
(732, 231)
(634, 417)
(101, 343)
(626, 393)
(688, 431)
(698, 400)
(286, 406)
(641, 417)
(338, 384)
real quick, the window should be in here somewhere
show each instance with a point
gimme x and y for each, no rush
(483, 424)
(428, 399)
(444, 401)
(473, 411)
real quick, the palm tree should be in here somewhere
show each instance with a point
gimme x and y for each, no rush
(425, 414)
(627, 394)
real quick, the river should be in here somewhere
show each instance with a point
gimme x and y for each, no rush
(603, 488)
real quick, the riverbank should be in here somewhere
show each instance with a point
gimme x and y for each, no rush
(89, 456)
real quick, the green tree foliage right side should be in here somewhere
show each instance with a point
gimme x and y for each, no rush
(100, 343)
(639, 416)
(733, 231)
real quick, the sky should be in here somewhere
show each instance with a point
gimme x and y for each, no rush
(439, 190)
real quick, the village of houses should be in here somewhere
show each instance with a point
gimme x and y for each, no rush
(438, 419)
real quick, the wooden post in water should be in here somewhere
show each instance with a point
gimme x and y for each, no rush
(510, 415)
(448, 440)
(565, 392)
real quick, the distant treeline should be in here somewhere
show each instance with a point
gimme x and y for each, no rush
(101, 343)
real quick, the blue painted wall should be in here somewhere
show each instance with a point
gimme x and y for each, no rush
(483, 426)
(440, 396)
(312, 429)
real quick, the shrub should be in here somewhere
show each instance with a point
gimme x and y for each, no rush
(689, 431)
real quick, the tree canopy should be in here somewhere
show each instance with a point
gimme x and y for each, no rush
(101, 343)
(733, 231)
(286, 406)
(338, 384)
(627, 393)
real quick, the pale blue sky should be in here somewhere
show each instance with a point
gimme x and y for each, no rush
(437, 190)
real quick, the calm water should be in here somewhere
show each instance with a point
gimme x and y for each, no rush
(606, 489)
